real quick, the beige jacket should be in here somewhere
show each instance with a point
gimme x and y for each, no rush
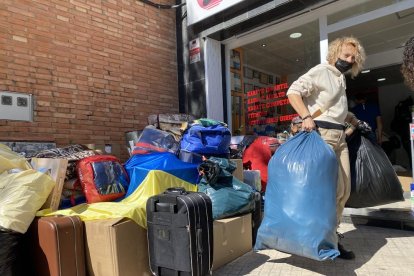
(323, 87)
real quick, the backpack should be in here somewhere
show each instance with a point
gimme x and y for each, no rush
(207, 140)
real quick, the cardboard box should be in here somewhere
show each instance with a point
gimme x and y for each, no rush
(238, 172)
(405, 179)
(232, 239)
(56, 168)
(111, 149)
(116, 247)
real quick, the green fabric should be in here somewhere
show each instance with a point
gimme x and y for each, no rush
(205, 122)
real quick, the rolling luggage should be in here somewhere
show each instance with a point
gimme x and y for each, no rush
(56, 246)
(180, 233)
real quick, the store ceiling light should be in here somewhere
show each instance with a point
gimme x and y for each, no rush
(264, 45)
(381, 79)
(365, 71)
(295, 35)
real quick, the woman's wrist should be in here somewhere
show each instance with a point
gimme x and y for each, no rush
(306, 117)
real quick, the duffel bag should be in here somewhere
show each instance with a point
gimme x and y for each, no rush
(206, 140)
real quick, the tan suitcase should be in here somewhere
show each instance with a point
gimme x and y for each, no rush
(57, 246)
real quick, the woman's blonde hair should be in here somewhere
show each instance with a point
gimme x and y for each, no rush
(335, 48)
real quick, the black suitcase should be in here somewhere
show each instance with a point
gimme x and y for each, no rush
(180, 233)
(257, 215)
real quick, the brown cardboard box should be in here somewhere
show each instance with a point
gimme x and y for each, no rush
(116, 247)
(111, 149)
(56, 168)
(232, 239)
(238, 172)
(405, 179)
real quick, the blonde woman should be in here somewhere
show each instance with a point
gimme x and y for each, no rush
(319, 98)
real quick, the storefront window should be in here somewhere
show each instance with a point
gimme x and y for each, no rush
(261, 73)
(383, 34)
(361, 7)
(381, 82)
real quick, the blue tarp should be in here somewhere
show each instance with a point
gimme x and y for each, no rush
(300, 205)
(139, 165)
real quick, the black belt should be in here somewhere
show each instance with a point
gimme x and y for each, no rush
(329, 125)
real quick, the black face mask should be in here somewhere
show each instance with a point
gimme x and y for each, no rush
(343, 65)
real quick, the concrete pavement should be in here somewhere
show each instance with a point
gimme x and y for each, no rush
(379, 251)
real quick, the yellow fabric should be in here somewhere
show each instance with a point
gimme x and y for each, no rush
(11, 160)
(133, 207)
(21, 195)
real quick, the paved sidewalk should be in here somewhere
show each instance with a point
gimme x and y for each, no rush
(379, 251)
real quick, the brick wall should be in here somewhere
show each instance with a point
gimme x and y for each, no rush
(96, 68)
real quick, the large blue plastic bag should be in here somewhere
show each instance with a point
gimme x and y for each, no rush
(300, 205)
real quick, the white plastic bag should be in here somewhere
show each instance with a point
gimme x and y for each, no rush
(252, 177)
(22, 194)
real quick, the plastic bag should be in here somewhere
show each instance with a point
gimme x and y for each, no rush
(252, 178)
(238, 145)
(9, 241)
(373, 179)
(229, 196)
(22, 195)
(300, 205)
(155, 140)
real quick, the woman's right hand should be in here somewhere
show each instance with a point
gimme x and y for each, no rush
(308, 124)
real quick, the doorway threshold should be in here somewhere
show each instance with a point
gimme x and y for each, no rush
(398, 215)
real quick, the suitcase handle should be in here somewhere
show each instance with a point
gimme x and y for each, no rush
(165, 207)
(200, 240)
(176, 191)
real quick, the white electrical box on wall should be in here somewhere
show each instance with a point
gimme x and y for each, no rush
(16, 106)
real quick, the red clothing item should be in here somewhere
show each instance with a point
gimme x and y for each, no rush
(259, 154)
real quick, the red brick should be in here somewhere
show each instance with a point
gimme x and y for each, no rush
(94, 67)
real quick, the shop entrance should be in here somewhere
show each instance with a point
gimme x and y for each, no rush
(263, 63)
(278, 53)
(385, 88)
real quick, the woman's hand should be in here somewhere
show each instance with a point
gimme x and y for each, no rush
(308, 124)
(364, 127)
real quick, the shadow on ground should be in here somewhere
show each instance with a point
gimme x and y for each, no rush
(365, 241)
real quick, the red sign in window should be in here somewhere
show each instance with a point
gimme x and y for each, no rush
(259, 101)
